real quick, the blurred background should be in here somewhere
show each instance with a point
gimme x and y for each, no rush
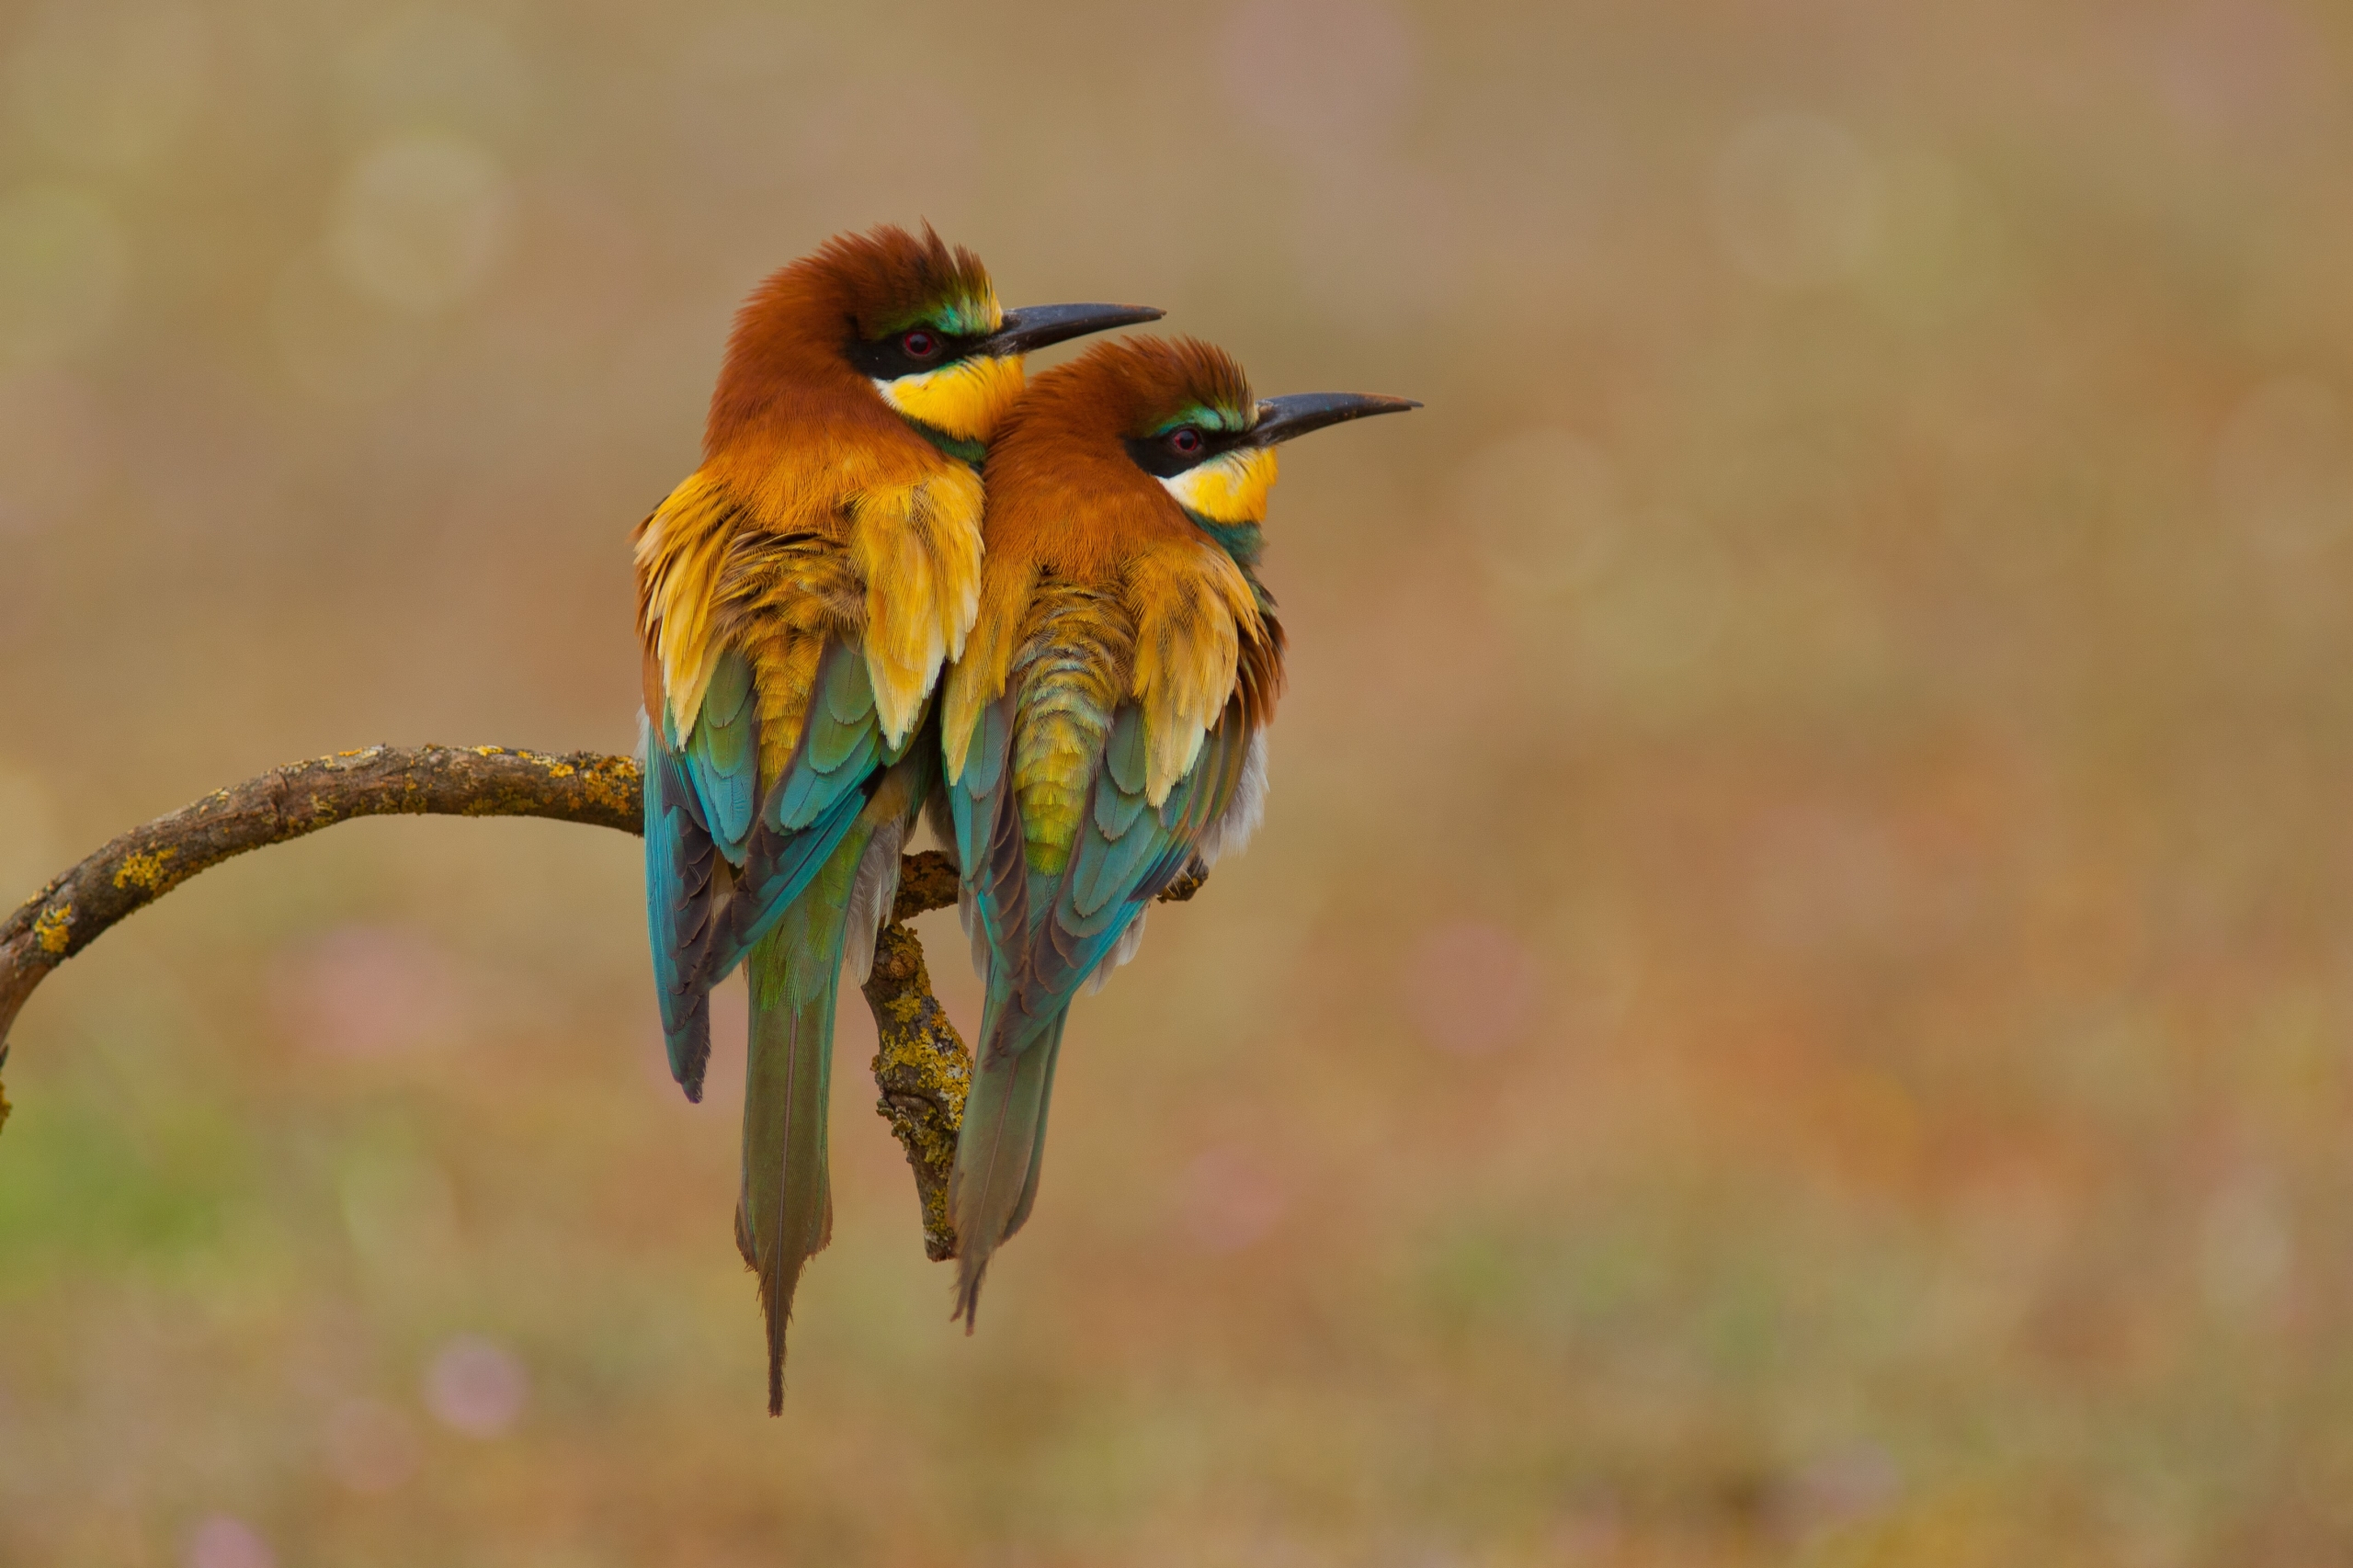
(1793, 1001)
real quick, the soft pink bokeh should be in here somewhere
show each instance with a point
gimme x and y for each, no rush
(476, 1387)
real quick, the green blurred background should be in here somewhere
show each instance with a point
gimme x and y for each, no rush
(1792, 1004)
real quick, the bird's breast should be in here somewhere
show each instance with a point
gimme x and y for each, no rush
(1070, 674)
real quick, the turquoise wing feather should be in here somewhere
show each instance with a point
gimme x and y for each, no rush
(698, 798)
(1125, 852)
(988, 831)
(722, 754)
(1046, 933)
(809, 809)
(680, 865)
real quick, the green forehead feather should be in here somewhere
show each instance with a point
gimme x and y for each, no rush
(1206, 416)
(959, 314)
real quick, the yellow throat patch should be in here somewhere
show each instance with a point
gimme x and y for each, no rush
(966, 400)
(1228, 489)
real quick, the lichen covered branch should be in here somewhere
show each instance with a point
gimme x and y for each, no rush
(288, 802)
(921, 1064)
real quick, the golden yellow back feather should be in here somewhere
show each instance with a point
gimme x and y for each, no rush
(773, 567)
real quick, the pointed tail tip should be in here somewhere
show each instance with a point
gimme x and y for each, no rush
(968, 1301)
(779, 1315)
(775, 1307)
(690, 1051)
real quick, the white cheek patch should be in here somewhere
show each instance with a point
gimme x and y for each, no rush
(904, 389)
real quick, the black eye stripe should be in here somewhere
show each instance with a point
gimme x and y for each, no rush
(886, 359)
(1159, 456)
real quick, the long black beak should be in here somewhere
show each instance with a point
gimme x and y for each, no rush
(1035, 326)
(1280, 418)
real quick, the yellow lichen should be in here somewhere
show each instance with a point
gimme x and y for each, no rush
(148, 871)
(611, 784)
(924, 1072)
(51, 928)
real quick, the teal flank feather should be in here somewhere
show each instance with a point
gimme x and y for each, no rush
(1047, 934)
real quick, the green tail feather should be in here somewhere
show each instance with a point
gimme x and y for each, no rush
(1052, 1046)
(999, 1151)
(785, 1214)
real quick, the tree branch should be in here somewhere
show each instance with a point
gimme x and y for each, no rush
(289, 802)
(921, 1063)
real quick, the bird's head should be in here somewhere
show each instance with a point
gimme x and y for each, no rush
(905, 318)
(1179, 413)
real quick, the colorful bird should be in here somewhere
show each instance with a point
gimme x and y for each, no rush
(798, 596)
(1106, 725)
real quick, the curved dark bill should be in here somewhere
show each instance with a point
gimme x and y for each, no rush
(1280, 418)
(1035, 326)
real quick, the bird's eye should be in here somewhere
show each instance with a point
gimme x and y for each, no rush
(919, 343)
(1185, 439)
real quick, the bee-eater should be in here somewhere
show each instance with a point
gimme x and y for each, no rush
(1107, 723)
(798, 596)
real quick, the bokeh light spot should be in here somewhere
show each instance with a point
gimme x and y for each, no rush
(1230, 1200)
(475, 1387)
(422, 222)
(223, 1542)
(1471, 987)
(1797, 200)
(366, 991)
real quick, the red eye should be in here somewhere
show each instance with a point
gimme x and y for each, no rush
(919, 345)
(1186, 439)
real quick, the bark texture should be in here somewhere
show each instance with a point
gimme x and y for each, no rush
(921, 1065)
(289, 802)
